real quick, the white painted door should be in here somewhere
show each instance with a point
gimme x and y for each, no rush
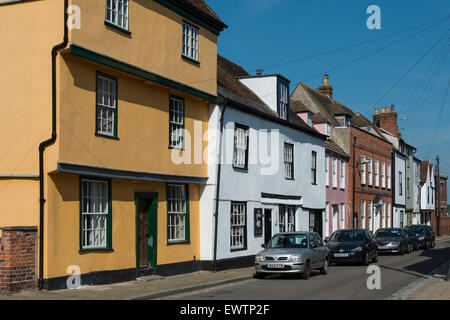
(376, 220)
(335, 217)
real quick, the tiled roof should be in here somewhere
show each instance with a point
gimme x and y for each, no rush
(201, 6)
(339, 109)
(233, 89)
(318, 118)
(298, 107)
(331, 146)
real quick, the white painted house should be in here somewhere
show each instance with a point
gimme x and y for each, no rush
(271, 177)
(427, 192)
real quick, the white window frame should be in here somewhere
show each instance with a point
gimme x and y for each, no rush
(240, 153)
(286, 218)
(177, 212)
(363, 170)
(388, 173)
(106, 105)
(176, 122)
(343, 213)
(369, 172)
(327, 170)
(342, 175)
(377, 173)
(334, 172)
(314, 167)
(190, 45)
(95, 209)
(400, 183)
(288, 161)
(383, 175)
(238, 226)
(117, 13)
(363, 214)
(369, 215)
(283, 102)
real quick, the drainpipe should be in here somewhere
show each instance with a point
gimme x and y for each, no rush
(43, 145)
(219, 167)
(355, 216)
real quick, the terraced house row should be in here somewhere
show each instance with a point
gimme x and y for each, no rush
(130, 147)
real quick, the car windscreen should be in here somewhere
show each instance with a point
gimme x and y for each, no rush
(348, 236)
(418, 229)
(388, 234)
(288, 241)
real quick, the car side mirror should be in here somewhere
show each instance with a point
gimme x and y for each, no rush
(325, 241)
(263, 245)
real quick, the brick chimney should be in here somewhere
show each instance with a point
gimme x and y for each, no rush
(325, 88)
(387, 119)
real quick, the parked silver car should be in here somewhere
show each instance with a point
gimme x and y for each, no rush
(292, 252)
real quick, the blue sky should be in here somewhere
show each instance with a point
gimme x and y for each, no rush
(264, 33)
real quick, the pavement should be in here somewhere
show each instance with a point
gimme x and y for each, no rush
(432, 286)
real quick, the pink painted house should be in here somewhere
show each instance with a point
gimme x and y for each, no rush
(336, 166)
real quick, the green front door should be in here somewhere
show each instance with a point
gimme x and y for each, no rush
(146, 233)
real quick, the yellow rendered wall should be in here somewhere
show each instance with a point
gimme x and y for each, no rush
(29, 31)
(143, 123)
(155, 43)
(62, 236)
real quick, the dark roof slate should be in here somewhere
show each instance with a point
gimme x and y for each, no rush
(203, 7)
(331, 146)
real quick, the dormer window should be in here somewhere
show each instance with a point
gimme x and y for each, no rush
(283, 101)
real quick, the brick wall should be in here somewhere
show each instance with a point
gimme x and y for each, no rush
(18, 259)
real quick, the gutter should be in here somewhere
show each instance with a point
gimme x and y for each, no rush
(45, 144)
(219, 167)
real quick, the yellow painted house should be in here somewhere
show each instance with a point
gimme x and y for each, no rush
(92, 112)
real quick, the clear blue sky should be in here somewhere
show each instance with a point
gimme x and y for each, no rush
(264, 33)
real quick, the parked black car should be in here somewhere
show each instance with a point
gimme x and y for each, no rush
(412, 238)
(425, 235)
(392, 240)
(352, 246)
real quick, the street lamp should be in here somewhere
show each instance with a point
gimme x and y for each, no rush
(355, 166)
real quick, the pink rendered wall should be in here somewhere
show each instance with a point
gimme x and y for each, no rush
(303, 116)
(320, 127)
(336, 196)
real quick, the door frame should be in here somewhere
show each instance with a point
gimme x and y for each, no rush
(153, 196)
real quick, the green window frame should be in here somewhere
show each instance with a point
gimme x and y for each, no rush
(178, 213)
(106, 105)
(95, 221)
(177, 119)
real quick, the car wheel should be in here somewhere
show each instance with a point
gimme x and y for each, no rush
(433, 244)
(259, 275)
(326, 264)
(409, 248)
(402, 251)
(307, 271)
(366, 260)
(375, 258)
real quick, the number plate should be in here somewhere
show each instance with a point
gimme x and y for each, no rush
(340, 255)
(275, 266)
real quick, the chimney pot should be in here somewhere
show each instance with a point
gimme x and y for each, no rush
(392, 108)
(387, 109)
(376, 110)
(383, 110)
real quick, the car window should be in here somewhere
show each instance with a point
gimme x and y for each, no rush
(347, 235)
(288, 241)
(388, 233)
(319, 240)
(312, 242)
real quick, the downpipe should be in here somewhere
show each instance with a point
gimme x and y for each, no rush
(45, 144)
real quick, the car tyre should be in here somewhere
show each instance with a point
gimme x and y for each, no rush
(366, 260)
(375, 258)
(307, 271)
(409, 248)
(433, 244)
(326, 265)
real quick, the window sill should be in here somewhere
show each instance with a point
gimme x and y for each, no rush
(112, 25)
(290, 179)
(241, 249)
(96, 250)
(106, 136)
(196, 62)
(176, 148)
(172, 243)
(244, 170)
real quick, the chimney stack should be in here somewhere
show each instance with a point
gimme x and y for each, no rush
(325, 88)
(387, 119)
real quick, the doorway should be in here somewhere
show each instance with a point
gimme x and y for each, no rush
(267, 225)
(146, 233)
(315, 222)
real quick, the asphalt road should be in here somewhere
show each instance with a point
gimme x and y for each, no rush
(343, 282)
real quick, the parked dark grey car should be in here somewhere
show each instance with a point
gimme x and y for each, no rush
(425, 235)
(292, 252)
(353, 246)
(412, 238)
(392, 240)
